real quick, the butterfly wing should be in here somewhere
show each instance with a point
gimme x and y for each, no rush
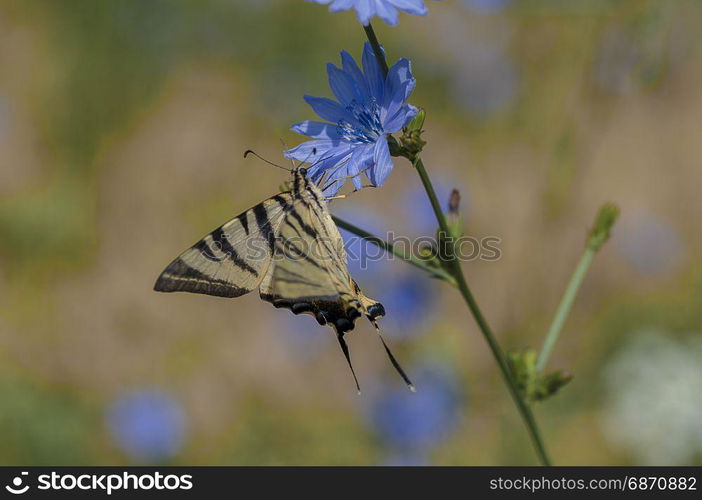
(233, 259)
(308, 273)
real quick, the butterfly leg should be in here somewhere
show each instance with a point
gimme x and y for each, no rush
(345, 349)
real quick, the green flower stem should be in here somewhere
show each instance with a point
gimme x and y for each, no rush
(387, 246)
(376, 48)
(564, 307)
(498, 354)
(456, 271)
(599, 234)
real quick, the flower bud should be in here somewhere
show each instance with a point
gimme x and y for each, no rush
(602, 229)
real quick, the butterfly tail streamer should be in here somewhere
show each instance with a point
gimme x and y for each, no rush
(345, 349)
(394, 362)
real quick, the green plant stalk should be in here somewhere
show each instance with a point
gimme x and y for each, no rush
(498, 354)
(457, 272)
(564, 307)
(387, 246)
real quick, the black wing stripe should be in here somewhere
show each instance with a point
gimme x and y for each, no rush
(282, 201)
(180, 277)
(244, 220)
(305, 227)
(297, 231)
(206, 251)
(285, 248)
(264, 225)
(221, 238)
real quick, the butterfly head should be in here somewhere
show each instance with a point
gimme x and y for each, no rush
(300, 180)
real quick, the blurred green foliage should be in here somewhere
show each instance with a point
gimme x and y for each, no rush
(43, 426)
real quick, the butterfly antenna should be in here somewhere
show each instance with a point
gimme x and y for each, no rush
(394, 362)
(345, 349)
(252, 152)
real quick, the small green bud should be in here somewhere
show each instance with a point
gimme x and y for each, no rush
(549, 384)
(600, 232)
(427, 252)
(411, 140)
(533, 385)
(417, 123)
(394, 146)
(523, 367)
(454, 219)
(454, 203)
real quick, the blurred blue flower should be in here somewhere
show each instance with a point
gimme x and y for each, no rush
(148, 425)
(365, 259)
(387, 10)
(353, 139)
(487, 6)
(408, 295)
(410, 301)
(650, 244)
(306, 338)
(415, 422)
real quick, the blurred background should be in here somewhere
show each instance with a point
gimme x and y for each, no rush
(122, 128)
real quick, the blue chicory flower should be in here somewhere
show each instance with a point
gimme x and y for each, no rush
(353, 139)
(387, 10)
(365, 260)
(410, 301)
(148, 425)
(415, 423)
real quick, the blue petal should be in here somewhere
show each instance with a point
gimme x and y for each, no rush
(343, 86)
(317, 130)
(401, 118)
(415, 7)
(342, 168)
(373, 73)
(398, 86)
(383, 162)
(349, 65)
(357, 184)
(327, 109)
(331, 175)
(312, 151)
(330, 159)
(340, 5)
(359, 161)
(387, 13)
(365, 10)
(385, 9)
